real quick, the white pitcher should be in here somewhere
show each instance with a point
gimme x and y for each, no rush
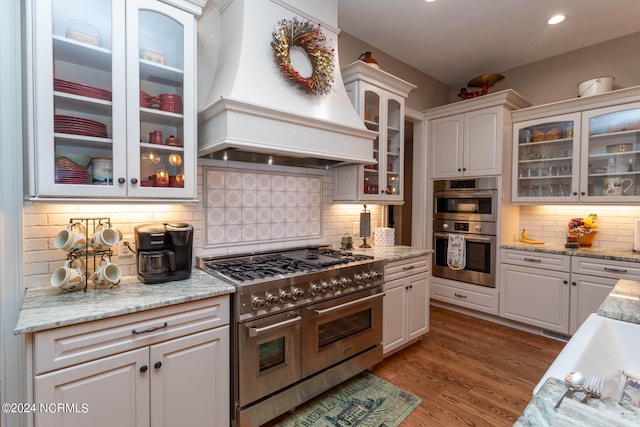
(616, 186)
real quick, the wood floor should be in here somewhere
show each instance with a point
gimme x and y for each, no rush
(469, 372)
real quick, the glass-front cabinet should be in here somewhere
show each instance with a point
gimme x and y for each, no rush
(546, 154)
(612, 154)
(112, 85)
(379, 98)
(587, 155)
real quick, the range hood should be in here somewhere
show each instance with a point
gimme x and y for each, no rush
(249, 112)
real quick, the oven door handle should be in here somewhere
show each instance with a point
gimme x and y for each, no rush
(347, 304)
(254, 332)
(471, 237)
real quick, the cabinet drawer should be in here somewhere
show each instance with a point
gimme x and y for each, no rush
(62, 347)
(406, 267)
(536, 259)
(606, 268)
(487, 303)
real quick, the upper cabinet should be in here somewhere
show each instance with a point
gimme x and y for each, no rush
(112, 100)
(582, 150)
(379, 99)
(466, 138)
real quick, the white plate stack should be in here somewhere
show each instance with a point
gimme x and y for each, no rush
(384, 236)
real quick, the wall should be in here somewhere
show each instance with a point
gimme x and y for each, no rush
(557, 78)
(43, 221)
(549, 223)
(429, 92)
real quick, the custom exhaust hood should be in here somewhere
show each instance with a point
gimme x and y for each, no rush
(248, 111)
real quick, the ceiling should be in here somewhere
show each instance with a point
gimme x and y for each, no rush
(457, 40)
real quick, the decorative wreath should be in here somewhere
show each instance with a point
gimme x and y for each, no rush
(308, 37)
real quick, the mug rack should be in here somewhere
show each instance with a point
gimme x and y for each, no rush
(90, 226)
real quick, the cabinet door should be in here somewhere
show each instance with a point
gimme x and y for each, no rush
(446, 146)
(535, 297)
(546, 160)
(482, 152)
(417, 305)
(393, 324)
(190, 380)
(587, 293)
(113, 391)
(611, 159)
(78, 125)
(161, 101)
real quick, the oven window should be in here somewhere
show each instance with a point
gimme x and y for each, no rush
(271, 354)
(478, 255)
(344, 327)
(477, 205)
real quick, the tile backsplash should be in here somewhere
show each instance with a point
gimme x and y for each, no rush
(297, 200)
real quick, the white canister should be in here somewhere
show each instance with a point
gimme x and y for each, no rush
(102, 170)
(384, 236)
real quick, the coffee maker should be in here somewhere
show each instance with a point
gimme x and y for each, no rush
(164, 252)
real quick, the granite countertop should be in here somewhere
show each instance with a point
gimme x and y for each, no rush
(597, 252)
(595, 412)
(46, 307)
(623, 302)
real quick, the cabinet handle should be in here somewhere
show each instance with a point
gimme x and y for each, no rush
(615, 270)
(532, 259)
(582, 193)
(151, 329)
(143, 369)
(121, 180)
(408, 267)
(460, 296)
(134, 180)
(575, 193)
(157, 365)
(565, 282)
(574, 283)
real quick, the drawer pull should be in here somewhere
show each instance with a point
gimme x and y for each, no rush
(532, 259)
(460, 296)
(408, 267)
(151, 329)
(615, 270)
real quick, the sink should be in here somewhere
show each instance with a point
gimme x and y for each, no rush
(602, 347)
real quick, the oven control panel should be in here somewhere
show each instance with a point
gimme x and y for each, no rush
(282, 294)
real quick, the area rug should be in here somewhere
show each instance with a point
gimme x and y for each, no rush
(363, 401)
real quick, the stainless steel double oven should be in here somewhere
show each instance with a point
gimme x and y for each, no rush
(466, 207)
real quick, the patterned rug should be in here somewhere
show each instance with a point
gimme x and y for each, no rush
(363, 401)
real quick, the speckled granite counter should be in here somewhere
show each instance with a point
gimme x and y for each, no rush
(598, 412)
(393, 253)
(623, 303)
(46, 308)
(597, 252)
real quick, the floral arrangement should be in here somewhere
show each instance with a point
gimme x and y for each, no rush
(584, 225)
(292, 33)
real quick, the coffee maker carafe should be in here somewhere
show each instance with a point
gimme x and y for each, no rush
(164, 252)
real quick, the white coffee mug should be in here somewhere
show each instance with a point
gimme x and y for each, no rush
(616, 186)
(106, 274)
(104, 238)
(69, 277)
(72, 238)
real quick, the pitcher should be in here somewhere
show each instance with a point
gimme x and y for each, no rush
(616, 186)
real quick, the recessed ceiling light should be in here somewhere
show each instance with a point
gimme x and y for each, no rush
(556, 19)
(428, 1)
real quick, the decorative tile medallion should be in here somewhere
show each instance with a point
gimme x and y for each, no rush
(259, 206)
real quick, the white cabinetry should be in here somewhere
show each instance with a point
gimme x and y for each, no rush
(379, 99)
(406, 302)
(557, 292)
(467, 295)
(103, 76)
(582, 150)
(164, 367)
(466, 138)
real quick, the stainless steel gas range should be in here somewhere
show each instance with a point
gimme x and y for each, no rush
(305, 320)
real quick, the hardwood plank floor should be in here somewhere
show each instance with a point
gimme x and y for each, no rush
(468, 371)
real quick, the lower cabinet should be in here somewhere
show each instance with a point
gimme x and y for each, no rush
(556, 292)
(175, 373)
(406, 302)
